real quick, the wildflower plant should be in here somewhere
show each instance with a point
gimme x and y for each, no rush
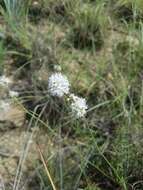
(59, 86)
(78, 106)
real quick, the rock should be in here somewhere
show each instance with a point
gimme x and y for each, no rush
(12, 113)
(12, 143)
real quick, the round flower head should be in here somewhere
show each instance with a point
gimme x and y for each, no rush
(78, 106)
(58, 85)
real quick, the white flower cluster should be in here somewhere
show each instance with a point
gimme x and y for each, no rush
(58, 85)
(78, 106)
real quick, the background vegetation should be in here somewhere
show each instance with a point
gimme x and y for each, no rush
(99, 46)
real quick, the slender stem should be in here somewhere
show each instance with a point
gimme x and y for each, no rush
(46, 168)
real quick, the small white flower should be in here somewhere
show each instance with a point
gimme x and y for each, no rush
(13, 93)
(78, 106)
(58, 85)
(5, 80)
